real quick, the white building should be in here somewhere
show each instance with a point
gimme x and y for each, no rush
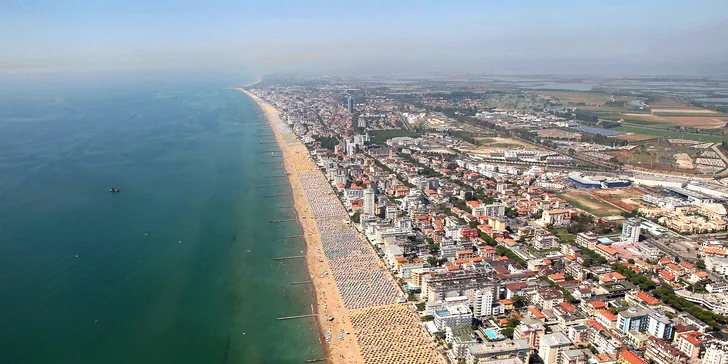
(709, 189)
(658, 181)
(453, 315)
(545, 242)
(716, 353)
(556, 217)
(551, 345)
(717, 264)
(631, 230)
(494, 210)
(587, 240)
(369, 204)
(486, 302)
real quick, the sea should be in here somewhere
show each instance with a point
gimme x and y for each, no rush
(175, 268)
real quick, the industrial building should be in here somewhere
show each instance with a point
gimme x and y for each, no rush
(581, 180)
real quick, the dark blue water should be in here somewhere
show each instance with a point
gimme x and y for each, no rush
(177, 267)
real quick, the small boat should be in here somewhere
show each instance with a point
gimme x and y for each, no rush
(112, 189)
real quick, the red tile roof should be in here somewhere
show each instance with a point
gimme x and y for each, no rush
(631, 357)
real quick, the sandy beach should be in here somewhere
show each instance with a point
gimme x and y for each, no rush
(328, 301)
(351, 283)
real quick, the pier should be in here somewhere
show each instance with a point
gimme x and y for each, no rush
(290, 257)
(272, 185)
(296, 317)
(316, 360)
(303, 282)
(278, 194)
(271, 151)
(276, 176)
(281, 220)
(292, 236)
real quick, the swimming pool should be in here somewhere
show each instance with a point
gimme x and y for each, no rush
(491, 334)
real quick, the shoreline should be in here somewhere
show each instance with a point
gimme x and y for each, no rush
(296, 160)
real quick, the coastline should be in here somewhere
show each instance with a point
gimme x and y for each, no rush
(328, 301)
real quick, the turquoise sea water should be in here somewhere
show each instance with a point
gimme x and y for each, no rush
(177, 267)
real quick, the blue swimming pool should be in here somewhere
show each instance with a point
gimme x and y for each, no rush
(491, 334)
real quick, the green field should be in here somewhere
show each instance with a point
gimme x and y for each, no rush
(672, 134)
(381, 136)
(584, 201)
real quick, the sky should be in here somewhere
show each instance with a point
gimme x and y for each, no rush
(477, 36)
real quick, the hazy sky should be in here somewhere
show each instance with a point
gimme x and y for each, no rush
(462, 36)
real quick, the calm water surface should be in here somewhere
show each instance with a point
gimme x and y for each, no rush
(177, 267)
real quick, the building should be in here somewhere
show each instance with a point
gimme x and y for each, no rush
(717, 264)
(631, 230)
(350, 104)
(644, 320)
(453, 315)
(689, 344)
(581, 180)
(369, 203)
(460, 283)
(546, 242)
(531, 332)
(548, 297)
(557, 217)
(632, 319)
(658, 181)
(573, 356)
(716, 352)
(551, 346)
(460, 337)
(606, 252)
(498, 352)
(659, 351)
(659, 325)
(710, 189)
(486, 301)
(494, 210)
(628, 357)
(587, 240)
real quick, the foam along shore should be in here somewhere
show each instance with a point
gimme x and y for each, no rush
(328, 301)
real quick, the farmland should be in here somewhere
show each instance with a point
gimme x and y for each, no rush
(671, 134)
(583, 98)
(632, 137)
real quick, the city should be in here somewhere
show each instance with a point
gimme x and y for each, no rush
(517, 225)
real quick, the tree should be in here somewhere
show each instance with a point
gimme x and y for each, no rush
(518, 301)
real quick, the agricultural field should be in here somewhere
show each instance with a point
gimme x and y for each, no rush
(671, 134)
(582, 98)
(699, 122)
(627, 199)
(668, 106)
(556, 133)
(633, 137)
(584, 201)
